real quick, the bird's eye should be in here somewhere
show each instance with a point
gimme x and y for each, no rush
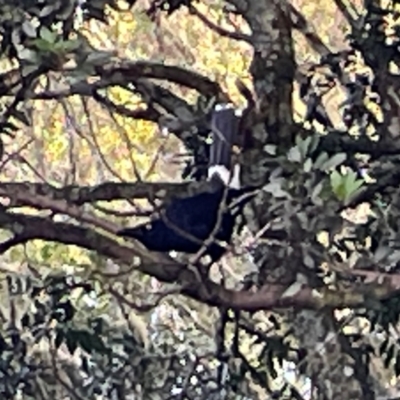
(147, 227)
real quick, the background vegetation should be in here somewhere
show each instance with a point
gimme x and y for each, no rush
(105, 109)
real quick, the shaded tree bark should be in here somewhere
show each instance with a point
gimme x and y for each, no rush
(331, 369)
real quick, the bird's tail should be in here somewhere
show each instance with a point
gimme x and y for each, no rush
(224, 125)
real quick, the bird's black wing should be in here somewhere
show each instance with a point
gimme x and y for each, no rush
(195, 215)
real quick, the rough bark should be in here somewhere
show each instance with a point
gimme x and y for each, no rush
(331, 369)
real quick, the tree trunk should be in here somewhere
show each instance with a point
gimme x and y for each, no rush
(330, 368)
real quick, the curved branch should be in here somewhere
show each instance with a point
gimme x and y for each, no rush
(28, 227)
(149, 91)
(174, 106)
(132, 71)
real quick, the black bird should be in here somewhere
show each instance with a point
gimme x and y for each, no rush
(187, 223)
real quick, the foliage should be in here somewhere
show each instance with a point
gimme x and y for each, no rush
(106, 115)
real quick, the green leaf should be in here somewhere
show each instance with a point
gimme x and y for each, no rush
(352, 184)
(28, 55)
(270, 149)
(304, 146)
(345, 187)
(314, 143)
(308, 261)
(292, 290)
(316, 192)
(275, 188)
(47, 10)
(298, 139)
(336, 180)
(47, 35)
(334, 161)
(29, 29)
(43, 45)
(294, 155)
(69, 45)
(321, 160)
(308, 165)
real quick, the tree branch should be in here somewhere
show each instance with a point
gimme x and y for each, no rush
(28, 227)
(301, 24)
(107, 191)
(179, 115)
(218, 29)
(132, 71)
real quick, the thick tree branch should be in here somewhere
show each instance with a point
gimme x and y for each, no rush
(132, 71)
(125, 71)
(337, 142)
(107, 191)
(28, 227)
